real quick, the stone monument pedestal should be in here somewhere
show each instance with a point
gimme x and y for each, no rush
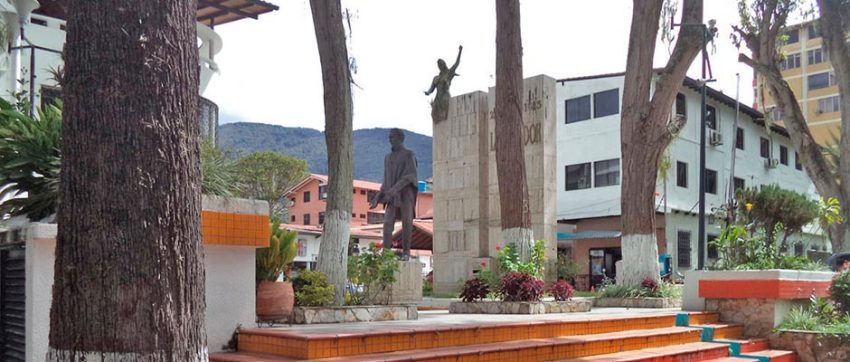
(407, 288)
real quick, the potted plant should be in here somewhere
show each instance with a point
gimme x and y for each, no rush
(275, 299)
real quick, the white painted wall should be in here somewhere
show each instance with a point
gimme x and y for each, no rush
(230, 294)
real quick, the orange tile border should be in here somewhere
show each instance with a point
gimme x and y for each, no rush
(769, 289)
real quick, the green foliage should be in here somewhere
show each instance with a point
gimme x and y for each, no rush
(373, 272)
(312, 289)
(662, 290)
(277, 258)
(267, 176)
(772, 205)
(738, 250)
(509, 260)
(218, 171)
(30, 149)
(822, 315)
(840, 292)
(565, 267)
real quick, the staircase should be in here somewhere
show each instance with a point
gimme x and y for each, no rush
(648, 337)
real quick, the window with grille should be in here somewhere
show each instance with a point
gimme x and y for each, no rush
(711, 117)
(764, 147)
(681, 174)
(792, 61)
(783, 155)
(306, 219)
(711, 181)
(817, 56)
(828, 105)
(739, 138)
(683, 248)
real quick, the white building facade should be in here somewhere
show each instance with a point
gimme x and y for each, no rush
(589, 154)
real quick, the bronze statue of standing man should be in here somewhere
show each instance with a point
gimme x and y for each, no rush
(442, 82)
(398, 192)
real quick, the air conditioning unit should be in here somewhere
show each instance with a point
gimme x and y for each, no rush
(715, 138)
(771, 163)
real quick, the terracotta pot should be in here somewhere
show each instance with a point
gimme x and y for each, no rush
(275, 300)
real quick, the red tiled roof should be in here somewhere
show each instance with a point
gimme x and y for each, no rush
(366, 185)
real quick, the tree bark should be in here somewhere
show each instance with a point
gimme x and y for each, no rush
(330, 36)
(510, 156)
(834, 23)
(129, 273)
(761, 39)
(646, 129)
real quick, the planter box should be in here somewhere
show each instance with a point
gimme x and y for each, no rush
(351, 314)
(758, 299)
(497, 307)
(638, 302)
(812, 346)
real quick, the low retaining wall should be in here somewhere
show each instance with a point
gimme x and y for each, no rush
(350, 314)
(638, 302)
(497, 307)
(811, 346)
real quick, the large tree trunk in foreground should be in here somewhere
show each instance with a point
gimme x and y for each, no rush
(129, 279)
(760, 35)
(646, 129)
(835, 23)
(510, 158)
(330, 36)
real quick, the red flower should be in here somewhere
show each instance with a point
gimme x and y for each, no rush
(484, 264)
(498, 247)
(379, 246)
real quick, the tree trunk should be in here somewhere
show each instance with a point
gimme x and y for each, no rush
(646, 129)
(330, 36)
(129, 279)
(761, 39)
(834, 23)
(510, 157)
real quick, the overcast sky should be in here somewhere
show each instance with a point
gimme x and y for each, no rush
(270, 69)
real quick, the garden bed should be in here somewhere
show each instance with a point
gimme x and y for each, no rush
(351, 314)
(498, 307)
(813, 346)
(638, 302)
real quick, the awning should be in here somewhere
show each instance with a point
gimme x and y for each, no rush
(590, 234)
(210, 12)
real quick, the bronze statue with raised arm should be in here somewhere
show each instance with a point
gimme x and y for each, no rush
(398, 192)
(441, 83)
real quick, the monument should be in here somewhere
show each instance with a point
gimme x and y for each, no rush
(441, 83)
(467, 225)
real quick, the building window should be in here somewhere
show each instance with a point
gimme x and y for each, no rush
(681, 105)
(783, 155)
(371, 195)
(578, 109)
(606, 103)
(711, 117)
(764, 147)
(606, 173)
(798, 248)
(793, 36)
(683, 248)
(681, 174)
(739, 138)
(738, 183)
(797, 164)
(375, 218)
(817, 56)
(323, 192)
(306, 219)
(306, 196)
(292, 219)
(321, 218)
(578, 176)
(775, 114)
(712, 247)
(828, 105)
(363, 192)
(362, 216)
(302, 247)
(792, 61)
(821, 80)
(814, 31)
(711, 181)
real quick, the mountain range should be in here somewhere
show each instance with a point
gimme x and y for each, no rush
(370, 146)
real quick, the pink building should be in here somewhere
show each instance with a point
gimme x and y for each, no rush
(307, 202)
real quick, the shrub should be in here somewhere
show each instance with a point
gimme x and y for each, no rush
(650, 284)
(312, 289)
(562, 291)
(509, 260)
(521, 287)
(474, 290)
(371, 273)
(841, 292)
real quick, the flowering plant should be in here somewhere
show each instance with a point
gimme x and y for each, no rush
(373, 272)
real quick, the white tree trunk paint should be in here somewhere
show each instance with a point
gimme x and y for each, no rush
(523, 239)
(640, 259)
(333, 251)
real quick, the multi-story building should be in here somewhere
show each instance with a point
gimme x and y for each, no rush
(809, 73)
(307, 202)
(588, 148)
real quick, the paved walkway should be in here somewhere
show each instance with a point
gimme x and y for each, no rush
(442, 319)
